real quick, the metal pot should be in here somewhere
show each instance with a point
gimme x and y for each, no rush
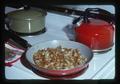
(97, 32)
(26, 21)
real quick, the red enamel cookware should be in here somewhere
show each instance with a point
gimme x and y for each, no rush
(96, 32)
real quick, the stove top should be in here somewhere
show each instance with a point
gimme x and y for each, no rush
(55, 25)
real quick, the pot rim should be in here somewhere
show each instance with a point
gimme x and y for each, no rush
(42, 12)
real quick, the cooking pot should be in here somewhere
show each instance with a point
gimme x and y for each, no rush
(96, 32)
(26, 21)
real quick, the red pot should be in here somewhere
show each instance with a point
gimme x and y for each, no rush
(96, 34)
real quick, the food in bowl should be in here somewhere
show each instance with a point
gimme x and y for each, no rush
(58, 58)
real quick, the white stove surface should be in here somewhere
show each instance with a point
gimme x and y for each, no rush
(102, 66)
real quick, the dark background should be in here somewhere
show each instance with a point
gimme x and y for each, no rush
(38, 3)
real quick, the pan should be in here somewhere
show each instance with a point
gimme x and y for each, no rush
(30, 50)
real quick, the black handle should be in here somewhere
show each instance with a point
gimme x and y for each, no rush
(16, 38)
(26, 7)
(76, 20)
(98, 13)
(98, 10)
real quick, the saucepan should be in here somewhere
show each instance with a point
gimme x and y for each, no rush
(30, 50)
(26, 21)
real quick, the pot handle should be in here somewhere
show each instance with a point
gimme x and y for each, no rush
(7, 21)
(26, 7)
(76, 20)
(98, 13)
(11, 35)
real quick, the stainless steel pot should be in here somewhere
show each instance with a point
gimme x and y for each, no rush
(26, 21)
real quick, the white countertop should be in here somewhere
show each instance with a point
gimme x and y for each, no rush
(102, 66)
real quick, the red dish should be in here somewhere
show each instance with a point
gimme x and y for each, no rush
(52, 77)
(61, 72)
(85, 51)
